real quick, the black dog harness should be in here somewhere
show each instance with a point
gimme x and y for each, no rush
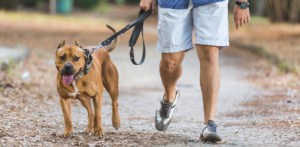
(88, 63)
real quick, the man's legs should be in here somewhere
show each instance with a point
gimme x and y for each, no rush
(209, 79)
(170, 71)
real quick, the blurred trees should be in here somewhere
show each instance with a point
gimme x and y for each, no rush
(16, 4)
(275, 10)
(283, 10)
(257, 7)
(83, 4)
(8, 4)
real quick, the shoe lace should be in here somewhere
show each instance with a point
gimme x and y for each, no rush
(165, 109)
(211, 127)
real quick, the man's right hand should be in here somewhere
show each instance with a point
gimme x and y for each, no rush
(147, 4)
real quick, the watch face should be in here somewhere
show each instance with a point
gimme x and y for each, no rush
(244, 5)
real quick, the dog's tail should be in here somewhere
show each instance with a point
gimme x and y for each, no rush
(114, 44)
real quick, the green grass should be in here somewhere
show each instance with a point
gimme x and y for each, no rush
(103, 8)
(259, 20)
(282, 65)
(42, 18)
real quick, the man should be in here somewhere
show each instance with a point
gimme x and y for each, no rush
(176, 20)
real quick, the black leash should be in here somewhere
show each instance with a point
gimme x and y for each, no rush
(138, 29)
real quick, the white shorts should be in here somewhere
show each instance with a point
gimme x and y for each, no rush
(175, 27)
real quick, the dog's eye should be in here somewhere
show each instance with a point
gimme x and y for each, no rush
(76, 58)
(62, 57)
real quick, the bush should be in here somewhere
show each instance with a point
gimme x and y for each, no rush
(133, 1)
(86, 4)
(32, 3)
(11, 4)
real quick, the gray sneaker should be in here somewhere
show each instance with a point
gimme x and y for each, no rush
(209, 133)
(163, 117)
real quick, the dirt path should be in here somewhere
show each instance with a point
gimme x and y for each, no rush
(31, 114)
(256, 106)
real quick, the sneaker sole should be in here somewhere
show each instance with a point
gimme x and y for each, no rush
(213, 137)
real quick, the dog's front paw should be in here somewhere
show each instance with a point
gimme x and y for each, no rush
(116, 122)
(68, 134)
(89, 130)
(99, 132)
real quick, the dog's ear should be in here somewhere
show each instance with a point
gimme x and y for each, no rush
(77, 44)
(61, 44)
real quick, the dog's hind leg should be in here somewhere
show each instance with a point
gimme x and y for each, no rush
(111, 84)
(66, 109)
(85, 101)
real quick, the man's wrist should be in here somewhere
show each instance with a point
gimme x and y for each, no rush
(243, 5)
(242, 0)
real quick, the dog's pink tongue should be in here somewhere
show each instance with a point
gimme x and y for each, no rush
(68, 79)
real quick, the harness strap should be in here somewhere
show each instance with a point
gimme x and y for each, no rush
(88, 63)
(88, 60)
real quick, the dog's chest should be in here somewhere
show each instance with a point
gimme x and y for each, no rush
(77, 89)
(83, 88)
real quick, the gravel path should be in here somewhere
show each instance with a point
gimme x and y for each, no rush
(31, 114)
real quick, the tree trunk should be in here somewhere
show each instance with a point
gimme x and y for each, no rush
(52, 6)
(283, 10)
(257, 7)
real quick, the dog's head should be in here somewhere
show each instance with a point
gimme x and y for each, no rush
(70, 61)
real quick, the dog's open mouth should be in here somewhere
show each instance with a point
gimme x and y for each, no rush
(67, 79)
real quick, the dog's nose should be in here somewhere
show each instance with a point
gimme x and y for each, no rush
(68, 69)
(68, 66)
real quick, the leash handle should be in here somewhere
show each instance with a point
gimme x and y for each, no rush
(137, 31)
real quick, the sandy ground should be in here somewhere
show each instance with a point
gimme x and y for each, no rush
(31, 113)
(257, 106)
(278, 39)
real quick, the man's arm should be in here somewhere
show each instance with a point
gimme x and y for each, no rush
(147, 4)
(241, 16)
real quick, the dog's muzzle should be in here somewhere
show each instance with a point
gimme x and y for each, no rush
(68, 69)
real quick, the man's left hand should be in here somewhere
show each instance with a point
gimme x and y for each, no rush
(241, 16)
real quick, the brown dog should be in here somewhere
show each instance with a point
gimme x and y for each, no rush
(82, 76)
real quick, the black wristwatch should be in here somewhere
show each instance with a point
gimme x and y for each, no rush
(242, 5)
